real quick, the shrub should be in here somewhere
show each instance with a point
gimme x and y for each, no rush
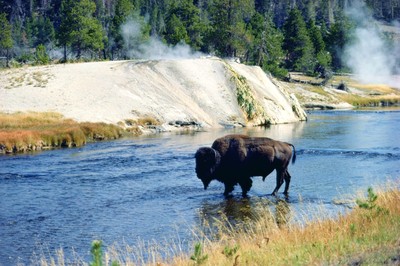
(97, 253)
(41, 56)
(198, 256)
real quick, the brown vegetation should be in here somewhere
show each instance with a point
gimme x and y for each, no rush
(21, 132)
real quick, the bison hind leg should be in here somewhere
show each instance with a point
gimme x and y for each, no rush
(245, 183)
(287, 182)
(280, 175)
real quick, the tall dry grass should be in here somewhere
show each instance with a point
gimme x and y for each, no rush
(20, 132)
(370, 100)
(363, 235)
(367, 235)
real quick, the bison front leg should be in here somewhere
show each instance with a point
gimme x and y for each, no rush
(228, 189)
(280, 174)
(245, 183)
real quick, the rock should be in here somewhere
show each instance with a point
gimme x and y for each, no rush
(342, 86)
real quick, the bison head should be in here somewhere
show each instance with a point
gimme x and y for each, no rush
(207, 160)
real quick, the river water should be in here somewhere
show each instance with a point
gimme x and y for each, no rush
(144, 190)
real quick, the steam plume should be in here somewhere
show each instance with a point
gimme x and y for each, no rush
(152, 48)
(368, 55)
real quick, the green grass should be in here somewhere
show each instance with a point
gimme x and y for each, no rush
(246, 99)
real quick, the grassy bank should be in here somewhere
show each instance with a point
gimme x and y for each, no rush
(342, 89)
(21, 132)
(368, 235)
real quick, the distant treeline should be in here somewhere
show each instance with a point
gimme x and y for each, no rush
(278, 35)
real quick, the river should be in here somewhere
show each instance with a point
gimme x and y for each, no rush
(144, 190)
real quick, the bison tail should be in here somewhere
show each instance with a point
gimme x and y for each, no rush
(294, 154)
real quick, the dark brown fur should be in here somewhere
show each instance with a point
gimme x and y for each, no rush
(234, 159)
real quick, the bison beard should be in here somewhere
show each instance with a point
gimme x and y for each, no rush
(234, 159)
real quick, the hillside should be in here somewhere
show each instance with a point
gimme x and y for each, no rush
(201, 91)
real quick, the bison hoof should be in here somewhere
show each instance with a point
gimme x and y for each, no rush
(228, 196)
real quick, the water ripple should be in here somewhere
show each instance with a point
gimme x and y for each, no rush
(330, 152)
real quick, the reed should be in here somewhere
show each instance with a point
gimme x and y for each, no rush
(21, 132)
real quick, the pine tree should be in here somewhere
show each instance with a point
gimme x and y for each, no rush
(175, 31)
(40, 31)
(185, 16)
(6, 42)
(79, 29)
(229, 20)
(123, 10)
(300, 50)
(63, 33)
(339, 35)
(155, 12)
(267, 45)
(323, 57)
(220, 32)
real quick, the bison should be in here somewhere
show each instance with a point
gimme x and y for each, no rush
(234, 159)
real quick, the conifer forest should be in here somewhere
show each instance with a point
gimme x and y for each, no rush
(307, 36)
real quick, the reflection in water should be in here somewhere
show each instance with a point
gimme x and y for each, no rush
(282, 212)
(221, 219)
(283, 132)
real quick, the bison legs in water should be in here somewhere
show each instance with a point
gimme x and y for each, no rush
(282, 175)
(245, 184)
(228, 189)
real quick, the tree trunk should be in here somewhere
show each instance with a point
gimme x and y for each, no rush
(7, 57)
(65, 53)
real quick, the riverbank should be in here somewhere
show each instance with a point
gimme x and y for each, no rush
(32, 131)
(367, 235)
(27, 132)
(341, 92)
